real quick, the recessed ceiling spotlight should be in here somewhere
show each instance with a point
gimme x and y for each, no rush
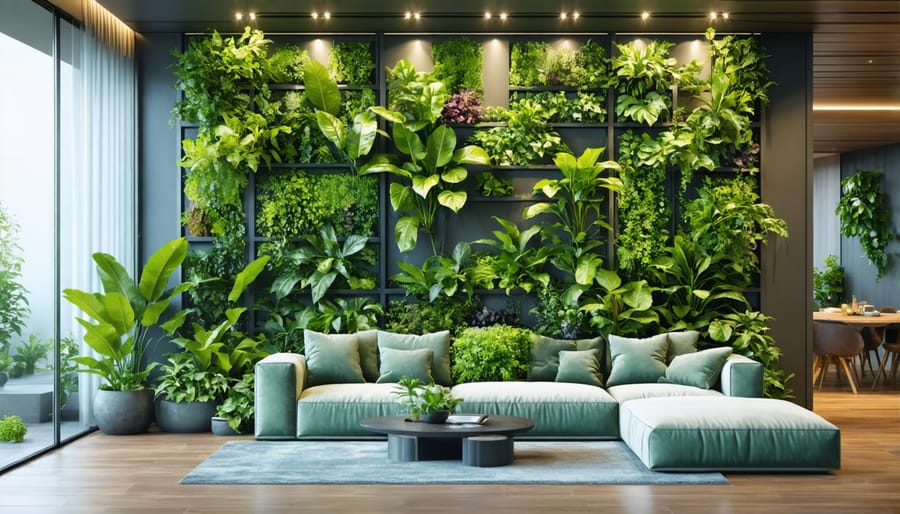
(503, 16)
(576, 15)
(563, 16)
(645, 15)
(407, 16)
(238, 16)
(724, 15)
(314, 15)
(252, 16)
(417, 16)
(326, 15)
(487, 15)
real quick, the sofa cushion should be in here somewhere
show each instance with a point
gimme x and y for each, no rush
(728, 434)
(335, 410)
(581, 367)
(681, 343)
(699, 369)
(545, 354)
(396, 364)
(628, 392)
(368, 354)
(332, 358)
(559, 409)
(637, 360)
(438, 342)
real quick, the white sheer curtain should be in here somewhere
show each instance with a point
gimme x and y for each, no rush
(99, 200)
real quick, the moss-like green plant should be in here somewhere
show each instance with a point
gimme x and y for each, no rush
(526, 58)
(12, 429)
(458, 63)
(498, 352)
(863, 214)
(643, 210)
(527, 138)
(422, 317)
(286, 64)
(352, 63)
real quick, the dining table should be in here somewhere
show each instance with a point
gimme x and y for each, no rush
(882, 319)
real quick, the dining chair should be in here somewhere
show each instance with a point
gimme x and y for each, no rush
(891, 345)
(835, 342)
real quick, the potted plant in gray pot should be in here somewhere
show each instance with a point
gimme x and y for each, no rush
(117, 329)
(235, 414)
(197, 379)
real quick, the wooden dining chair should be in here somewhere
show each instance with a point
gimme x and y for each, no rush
(891, 345)
(834, 342)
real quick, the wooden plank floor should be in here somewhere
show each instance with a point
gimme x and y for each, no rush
(140, 474)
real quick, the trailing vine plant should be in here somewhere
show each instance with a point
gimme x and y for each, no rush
(863, 214)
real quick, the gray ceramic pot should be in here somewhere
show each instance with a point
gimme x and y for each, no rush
(123, 412)
(220, 426)
(189, 417)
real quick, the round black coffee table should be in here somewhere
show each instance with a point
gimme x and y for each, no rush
(488, 444)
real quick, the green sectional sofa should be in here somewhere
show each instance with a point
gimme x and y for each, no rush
(701, 411)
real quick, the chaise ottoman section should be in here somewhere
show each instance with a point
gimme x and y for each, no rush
(559, 410)
(729, 434)
(333, 411)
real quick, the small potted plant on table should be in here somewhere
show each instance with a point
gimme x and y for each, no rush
(430, 403)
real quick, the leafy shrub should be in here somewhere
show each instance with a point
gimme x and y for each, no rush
(498, 352)
(352, 62)
(463, 108)
(526, 58)
(286, 64)
(527, 137)
(863, 212)
(492, 185)
(557, 318)
(536, 63)
(828, 285)
(458, 63)
(14, 308)
(12, 429)
(423, 317)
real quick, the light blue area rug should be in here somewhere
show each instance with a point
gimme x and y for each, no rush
(366, 462)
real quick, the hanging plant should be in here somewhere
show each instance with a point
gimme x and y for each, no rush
(863, 213)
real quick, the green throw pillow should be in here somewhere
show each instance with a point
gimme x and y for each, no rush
(581, 367)
(368, 354)
(545, 357)
(438, 342)
(545, 354)
(637, 361)
(332, 358)
(396, 364)
(681, 343)
(699, 369)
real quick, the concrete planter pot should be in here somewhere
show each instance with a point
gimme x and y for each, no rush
(123, 412)
(220, 426)
(189, 417)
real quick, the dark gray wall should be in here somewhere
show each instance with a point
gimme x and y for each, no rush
(786, 165)
(159, 151)
(859, 273)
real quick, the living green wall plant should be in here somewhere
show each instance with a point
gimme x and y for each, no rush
(728, 221)
(218, 74)
(428, 162)
(352, 63)
(624, 309)
(863, 214)
(526, 57)
(643, 210)
(495, 353)
(421, 316)
(574, 203)
(828, 284)
(526, 138)
(537, 64)
(516, 262)
(458, 63)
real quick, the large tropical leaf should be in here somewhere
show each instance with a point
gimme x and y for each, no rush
(361, 136)
(401, 197)
(159, 268)
(246, 277)
(422, 185)
(453, 200)
(321, 90)
(471, 155)
(331, 127)
(406, 232)
(439, 148)
(408, 142)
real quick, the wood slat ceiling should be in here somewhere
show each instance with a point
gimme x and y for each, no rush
(856, 44)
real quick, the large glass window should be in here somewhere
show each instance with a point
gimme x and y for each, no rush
(40, 97)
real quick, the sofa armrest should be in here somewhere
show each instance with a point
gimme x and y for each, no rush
(742, 376)
(280, 378)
